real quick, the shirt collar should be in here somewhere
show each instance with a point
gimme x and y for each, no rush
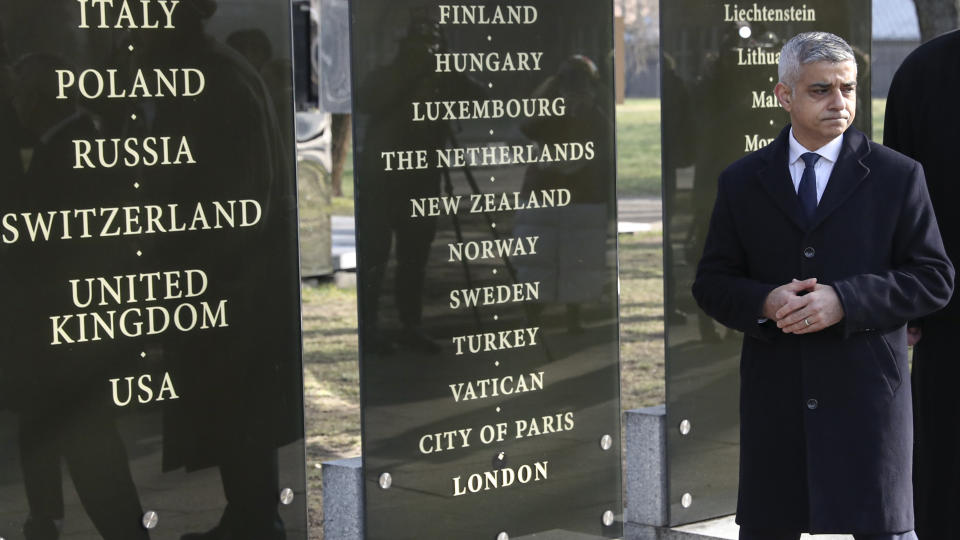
(829, 151)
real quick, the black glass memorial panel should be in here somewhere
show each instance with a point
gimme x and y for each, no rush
(484, 148)
(150, 379)
(719, 67)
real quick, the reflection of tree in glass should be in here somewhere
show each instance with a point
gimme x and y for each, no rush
(641, 19)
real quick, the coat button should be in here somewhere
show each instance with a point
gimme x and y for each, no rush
(809, 252)
(812, 404)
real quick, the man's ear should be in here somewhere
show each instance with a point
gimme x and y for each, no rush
(784, 95)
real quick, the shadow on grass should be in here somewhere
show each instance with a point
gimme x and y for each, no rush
(640, 319)
(329, 332)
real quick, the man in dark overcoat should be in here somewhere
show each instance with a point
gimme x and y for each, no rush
(821, 247)
(918, 124)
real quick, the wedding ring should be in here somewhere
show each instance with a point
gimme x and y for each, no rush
(806, 322)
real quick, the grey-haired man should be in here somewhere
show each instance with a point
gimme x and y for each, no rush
(821, 247)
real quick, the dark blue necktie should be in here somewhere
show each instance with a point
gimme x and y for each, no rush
(808, 185)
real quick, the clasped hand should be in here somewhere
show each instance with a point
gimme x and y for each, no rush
(797, 313)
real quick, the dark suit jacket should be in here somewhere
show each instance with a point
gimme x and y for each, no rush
(826, 425)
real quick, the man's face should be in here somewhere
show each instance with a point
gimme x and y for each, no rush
(823, 102)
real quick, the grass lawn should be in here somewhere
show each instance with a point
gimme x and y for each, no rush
(879, 107)
(331, 386)
(343, 206)
(638, 148)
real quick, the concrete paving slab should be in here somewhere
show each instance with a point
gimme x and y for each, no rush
(725, 528)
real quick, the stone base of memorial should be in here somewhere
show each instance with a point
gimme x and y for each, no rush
(715, 529)
(648, 506)
(343, 499)
(647, 514)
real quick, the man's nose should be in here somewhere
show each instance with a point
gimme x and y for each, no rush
(836, 99)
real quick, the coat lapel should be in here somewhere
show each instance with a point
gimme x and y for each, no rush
(847, 174)
(775, 179)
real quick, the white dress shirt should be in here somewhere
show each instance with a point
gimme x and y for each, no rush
(824, 166)
(828, 158)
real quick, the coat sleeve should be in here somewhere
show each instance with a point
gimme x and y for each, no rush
(897, 124)
(722, 287)
(920, 280)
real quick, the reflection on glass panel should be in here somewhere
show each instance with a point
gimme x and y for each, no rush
(150, 337)
(487, 268)
(719, 67)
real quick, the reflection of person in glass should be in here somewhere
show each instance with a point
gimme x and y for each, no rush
(822, 245)
(385, 213)
(276, 73)
(11, 168)
(50, 388)
(676, 154)
(723, 108)
(238, 384)
(572, 240)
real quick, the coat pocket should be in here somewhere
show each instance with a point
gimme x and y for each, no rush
(885, 359)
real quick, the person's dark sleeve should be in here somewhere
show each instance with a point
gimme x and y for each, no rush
(920, 280)
(898, 126)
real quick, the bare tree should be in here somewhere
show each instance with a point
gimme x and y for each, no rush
(642, 19)
(937, 17)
